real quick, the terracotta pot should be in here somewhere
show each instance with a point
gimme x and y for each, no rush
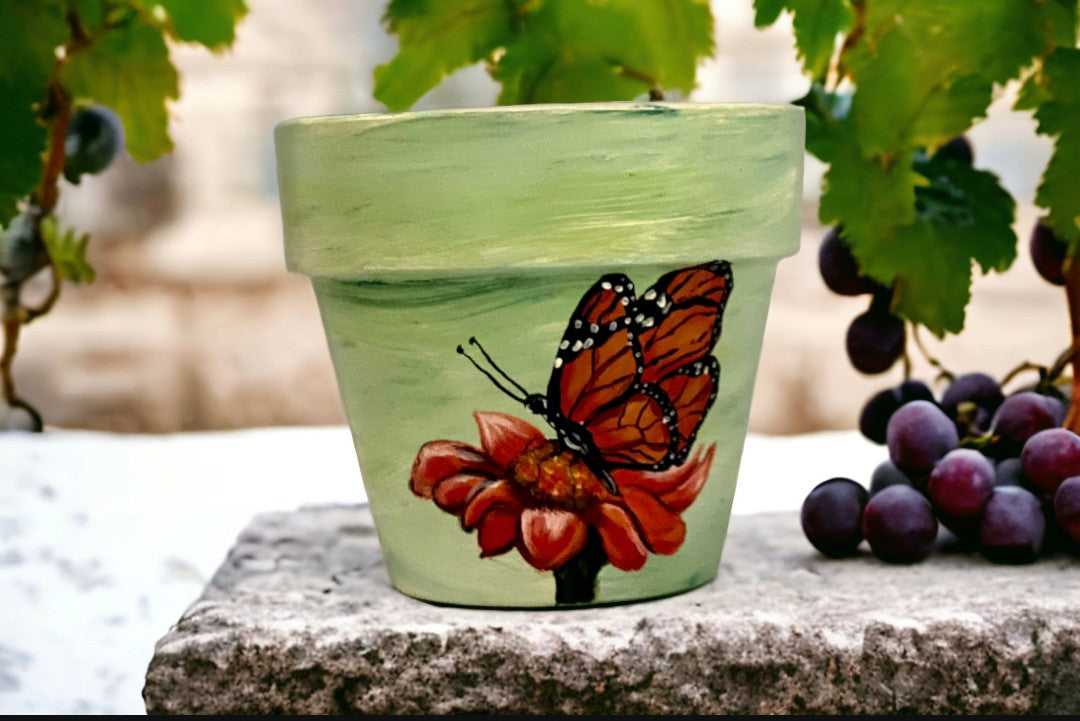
(545, 323)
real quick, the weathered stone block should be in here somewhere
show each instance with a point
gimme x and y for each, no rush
(301, 619)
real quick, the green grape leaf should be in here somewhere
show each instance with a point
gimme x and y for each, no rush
(435, 38)
(1059, 115)
(573, 51)
(824, 112)
(816, 23)
(917, 226)
(869, 196)
(208, 22)
(925, 70)
(128, 69)
(68, 252)
(30, 32)
(766, 12)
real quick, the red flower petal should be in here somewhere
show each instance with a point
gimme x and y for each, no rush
(677, 487)
(504, 437)
(663, 529)
(498, 531)
(551, 537)
(483, 498)
(451, 493)
(441, 459)
(621, 540)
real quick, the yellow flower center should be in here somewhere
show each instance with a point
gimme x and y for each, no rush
(555, 476)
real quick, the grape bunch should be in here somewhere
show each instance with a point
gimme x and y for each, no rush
(1009, 507)
(997, 470)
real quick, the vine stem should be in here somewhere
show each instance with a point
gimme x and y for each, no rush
(1072, 295)
(56, 109)
(943, 372)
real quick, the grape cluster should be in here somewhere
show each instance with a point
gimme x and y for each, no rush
(1010, 490)
(996, 470)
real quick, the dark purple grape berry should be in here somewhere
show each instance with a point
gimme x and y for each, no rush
(1009, 472)
(977, 388)
(1013, 526)
(919, 434)
(94, 137)
(875, 415)
(959, 148)
(1020, 417)
(875, 340)
(832, 516)
(900, 525)
(1049, 457)
(885, 475)
(838, 266)
(1067, 507)
(22, 252)
(1047, 253)
(961, 483)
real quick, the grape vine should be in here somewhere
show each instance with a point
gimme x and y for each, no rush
(81, 79)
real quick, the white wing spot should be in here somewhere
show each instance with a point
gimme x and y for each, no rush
(618, 289)
(605, 285)
(577, 323)
(647, 323)
(564, 345)
(650, 294)
(558, 362)
(588, 343)
(594, 328)
(613, 325)
(639, 317)
(577, 346)
(624, 300)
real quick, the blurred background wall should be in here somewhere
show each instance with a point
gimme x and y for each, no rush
(195, 324)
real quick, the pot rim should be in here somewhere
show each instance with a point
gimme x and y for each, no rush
(645, 107)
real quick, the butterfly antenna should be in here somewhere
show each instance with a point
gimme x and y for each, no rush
(473, 341)
(492, 378)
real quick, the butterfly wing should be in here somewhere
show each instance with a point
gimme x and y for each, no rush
(633, 377)
(598, 360)
(679, 318)
(691, 390)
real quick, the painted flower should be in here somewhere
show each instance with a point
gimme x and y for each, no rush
(523, 491)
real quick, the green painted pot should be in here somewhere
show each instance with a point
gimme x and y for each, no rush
(545, 323)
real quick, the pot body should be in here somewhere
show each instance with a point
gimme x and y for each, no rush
(424, 230)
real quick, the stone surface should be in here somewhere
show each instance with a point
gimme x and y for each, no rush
(301, 619)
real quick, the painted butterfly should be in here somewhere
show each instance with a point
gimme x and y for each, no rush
(634, 376)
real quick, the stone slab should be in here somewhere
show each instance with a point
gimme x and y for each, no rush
(301, 618)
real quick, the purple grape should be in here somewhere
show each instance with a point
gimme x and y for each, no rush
(959, 148)
(1067, 507)
(1020, 417)
(900, 525)
(919, 434)
(875, 415)
(1049, 457)
(977, 388)
(875, 340)
(838, 266)
(1013, 526)
(1009, 472)
(961, 483)
(885, 475)
(1047, 253)
(832, 516)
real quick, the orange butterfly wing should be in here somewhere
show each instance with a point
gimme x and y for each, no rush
(635, 373)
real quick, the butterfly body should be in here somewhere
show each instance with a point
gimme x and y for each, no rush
(633, 376)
